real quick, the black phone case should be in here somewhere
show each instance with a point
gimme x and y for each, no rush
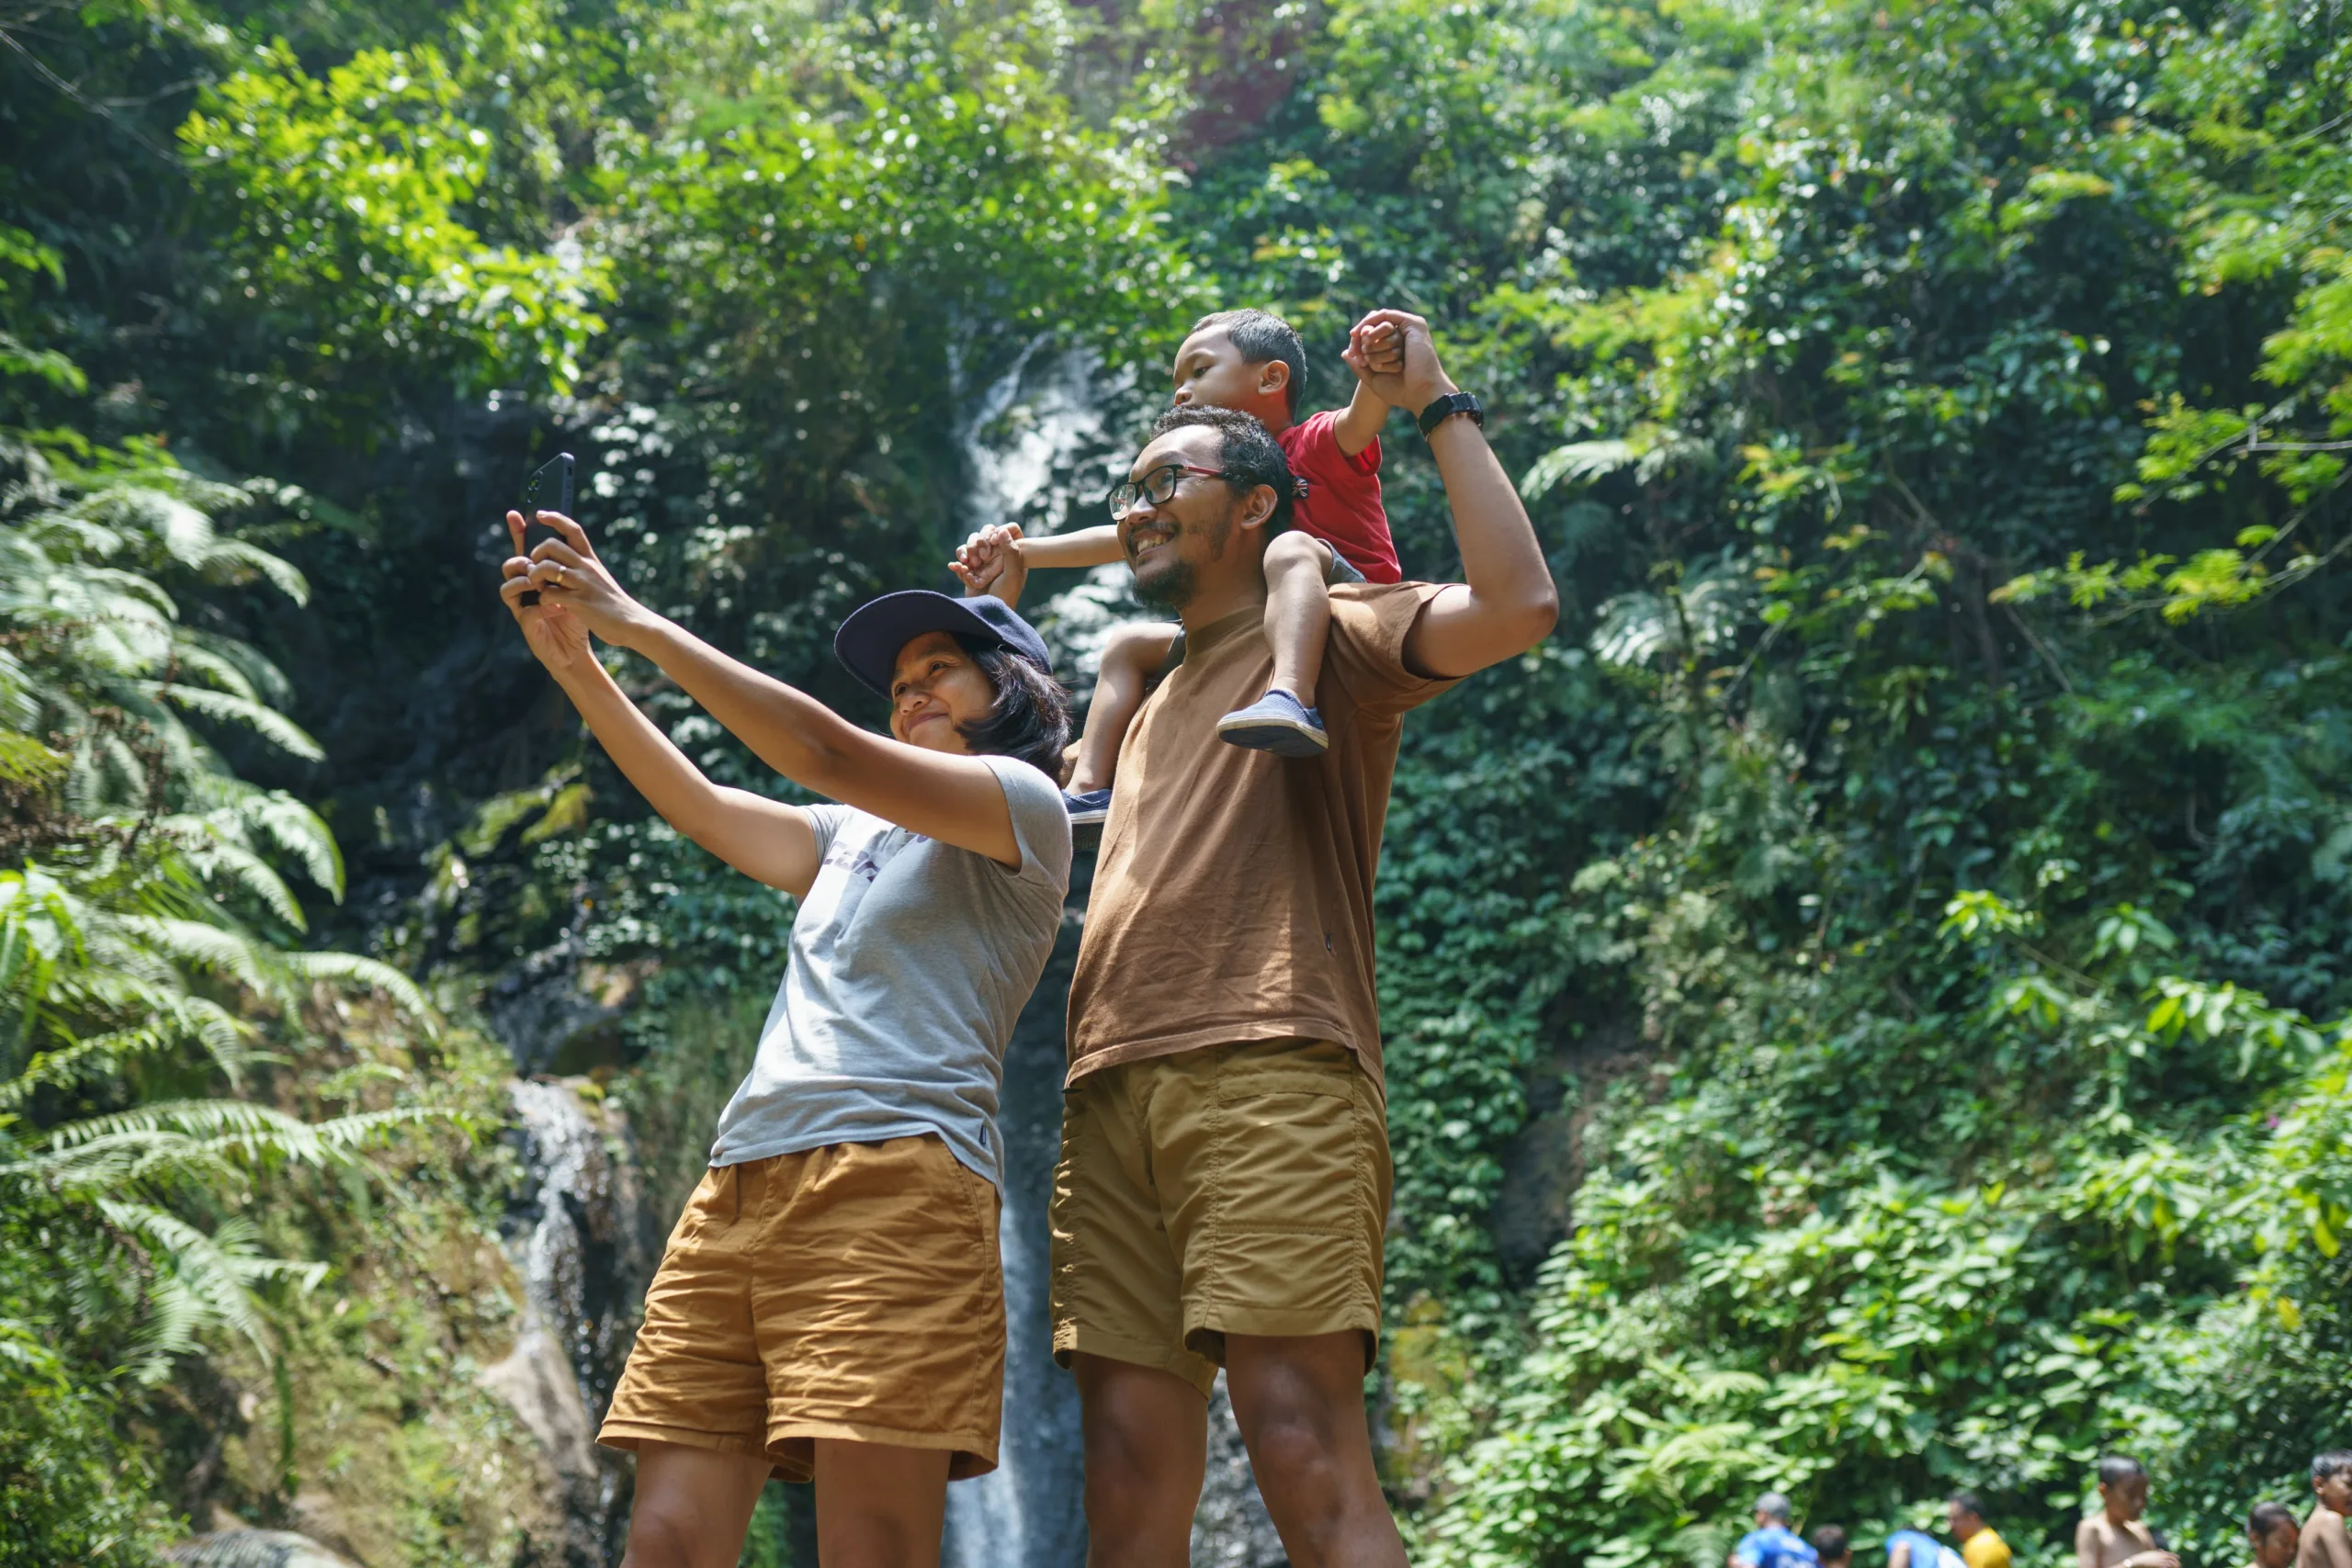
(548, 490)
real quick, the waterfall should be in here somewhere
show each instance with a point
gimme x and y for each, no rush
(575, 1229)
(1039, 451)
(1028, 437)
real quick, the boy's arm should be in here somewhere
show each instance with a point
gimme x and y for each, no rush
(1359, 424)
(997, 560)
(1080, 547)
(1506, 602)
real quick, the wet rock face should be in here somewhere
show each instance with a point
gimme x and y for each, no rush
(556, 1012)
(538, 1381)
(576, 1230)
(255, 1549)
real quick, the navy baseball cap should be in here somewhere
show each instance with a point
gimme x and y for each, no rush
(869, 640)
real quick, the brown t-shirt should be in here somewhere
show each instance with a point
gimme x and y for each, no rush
(1232, 900)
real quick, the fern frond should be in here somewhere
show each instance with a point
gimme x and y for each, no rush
(266, 722)
(357, 970)
(219, 858)
(299, 831)
(194, 659)
(1577, 462)
(226, 953)
(250, 561)
(213, 1277)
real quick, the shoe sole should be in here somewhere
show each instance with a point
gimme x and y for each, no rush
(1283, 737)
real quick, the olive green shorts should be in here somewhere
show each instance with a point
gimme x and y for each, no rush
(1231, 1190)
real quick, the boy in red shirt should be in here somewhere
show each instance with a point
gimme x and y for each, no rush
(1253, 361)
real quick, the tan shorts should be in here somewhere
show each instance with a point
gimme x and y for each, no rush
(850, 1292)
(1233, 1190)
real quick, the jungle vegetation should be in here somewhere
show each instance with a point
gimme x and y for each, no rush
(1867, 1002)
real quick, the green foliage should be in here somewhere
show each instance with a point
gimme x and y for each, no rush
(144, 963)
(1918, 875)
(351, 251)
(1909, 897)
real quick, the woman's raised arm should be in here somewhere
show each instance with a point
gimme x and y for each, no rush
(954, 799)
(761, 838)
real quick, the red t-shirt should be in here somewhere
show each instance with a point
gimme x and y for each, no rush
(1342, 506)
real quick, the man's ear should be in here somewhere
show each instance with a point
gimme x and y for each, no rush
(1257, 507)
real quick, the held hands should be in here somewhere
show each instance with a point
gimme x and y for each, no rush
(578, 594)
(991, 561)
(1392, 353)
(1374, 348)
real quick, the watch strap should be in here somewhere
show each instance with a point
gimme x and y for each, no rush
(1446, 407)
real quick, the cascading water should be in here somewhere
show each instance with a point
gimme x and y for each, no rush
(1035, 425)
(1037, 442)
(576, 1230)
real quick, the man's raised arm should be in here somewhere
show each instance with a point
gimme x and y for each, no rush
(1506, 603)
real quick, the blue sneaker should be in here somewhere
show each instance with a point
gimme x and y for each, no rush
(1090, 809)
(1279, 723)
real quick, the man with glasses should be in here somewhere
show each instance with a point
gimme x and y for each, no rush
(1225, 1173)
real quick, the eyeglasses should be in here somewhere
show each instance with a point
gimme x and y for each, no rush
(1158, 487)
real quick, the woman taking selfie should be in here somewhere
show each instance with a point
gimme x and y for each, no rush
(829, 1305)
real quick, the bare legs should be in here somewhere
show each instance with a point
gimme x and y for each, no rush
(1133, 656)
(1299, 1403)
(1146, 1449)
(1298, 625)
(692, 1507)
(1299, 611)
(877, 1506)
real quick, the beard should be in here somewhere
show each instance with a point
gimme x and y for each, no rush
(1171, 583)
(1168, 587)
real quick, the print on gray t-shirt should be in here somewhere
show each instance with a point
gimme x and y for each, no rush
(909, 963)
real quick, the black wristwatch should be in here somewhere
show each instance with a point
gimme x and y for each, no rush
(1453, 403)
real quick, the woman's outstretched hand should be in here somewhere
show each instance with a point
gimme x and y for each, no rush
(556, 636)
(577, 594)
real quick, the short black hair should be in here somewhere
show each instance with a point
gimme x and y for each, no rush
(1031, 718)
(2114, 1469)
(1830, 1542)
(1260, 336)
(2335, 1462)
(1967, 1503)
(2268, 1516)
(1248, 456)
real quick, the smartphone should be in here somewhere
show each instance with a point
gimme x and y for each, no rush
(548, 490)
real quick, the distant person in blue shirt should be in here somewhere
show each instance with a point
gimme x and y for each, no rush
(1917, 1549)
(1773, 1544)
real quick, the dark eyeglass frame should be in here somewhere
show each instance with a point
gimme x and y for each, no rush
(1126, 492)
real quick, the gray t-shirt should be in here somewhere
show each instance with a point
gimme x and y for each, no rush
(909, 961)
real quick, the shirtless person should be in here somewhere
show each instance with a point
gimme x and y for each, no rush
(2323, 1542)
(2115, 1537)
(2272, 1535)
